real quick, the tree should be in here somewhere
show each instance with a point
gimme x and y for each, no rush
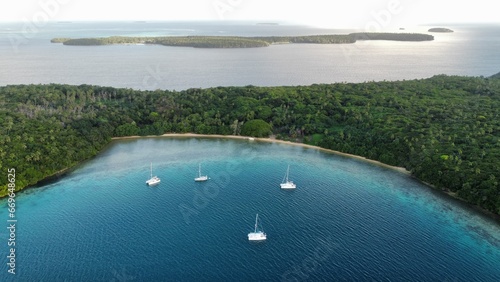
(256, 128)
(127, 129)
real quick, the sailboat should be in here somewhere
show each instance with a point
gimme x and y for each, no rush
(287, 184)
(200, 177)
(257, 235)
(154, 179)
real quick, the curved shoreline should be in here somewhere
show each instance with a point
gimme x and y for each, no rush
(450, 194)
(269, 140)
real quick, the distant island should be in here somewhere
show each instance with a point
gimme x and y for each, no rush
(440, 29)
(243, 42)
(497, 75)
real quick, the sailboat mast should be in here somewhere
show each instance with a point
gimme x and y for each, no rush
(199, 170)
(256, 218)
(151, 170)
(287, 171)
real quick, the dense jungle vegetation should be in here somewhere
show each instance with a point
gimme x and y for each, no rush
(445, 130)
(242, 42)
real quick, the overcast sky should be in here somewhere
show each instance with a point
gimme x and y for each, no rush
(325, 13)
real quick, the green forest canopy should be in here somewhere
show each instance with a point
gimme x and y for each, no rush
(445, 130)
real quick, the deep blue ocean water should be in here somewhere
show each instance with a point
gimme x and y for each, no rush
(347, 220)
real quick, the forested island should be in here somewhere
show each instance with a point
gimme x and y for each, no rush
(440, 29)
(242, 42)
(445, 130)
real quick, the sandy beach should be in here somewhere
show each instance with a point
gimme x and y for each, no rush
(193, 135)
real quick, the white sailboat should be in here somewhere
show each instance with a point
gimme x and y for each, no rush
(286, 183)
(154, 179)
(200, 177)
(257, 235)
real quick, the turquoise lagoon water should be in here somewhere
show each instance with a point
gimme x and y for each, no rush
(346, 221)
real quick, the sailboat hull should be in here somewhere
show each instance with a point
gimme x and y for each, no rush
(201, 178)
(288, 185)
(153, 181)
(257, 236)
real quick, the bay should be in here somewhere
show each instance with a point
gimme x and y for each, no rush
(347, 220)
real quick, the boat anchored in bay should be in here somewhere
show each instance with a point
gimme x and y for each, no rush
(257, 235)
(153, 180)
(200, 177)
(286, 183)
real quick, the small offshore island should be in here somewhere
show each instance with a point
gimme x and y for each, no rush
(243, 42)
(444, 130)
(440, 29)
